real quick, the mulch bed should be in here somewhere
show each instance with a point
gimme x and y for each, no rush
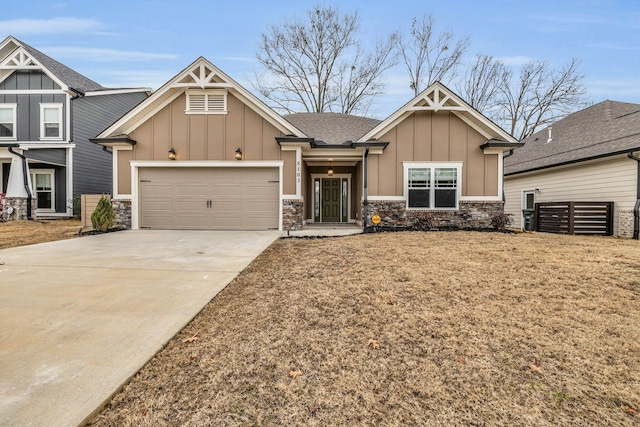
(415, 328)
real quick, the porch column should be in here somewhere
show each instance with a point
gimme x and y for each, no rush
(16, 198)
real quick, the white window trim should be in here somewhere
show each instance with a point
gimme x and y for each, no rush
(206, 93)
(433, 165)
(51, 172)
(15, 123)
(58, 106)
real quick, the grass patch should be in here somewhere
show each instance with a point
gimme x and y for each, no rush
(21, 233)
(410, 328)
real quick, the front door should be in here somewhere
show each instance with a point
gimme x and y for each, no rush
(331, 200)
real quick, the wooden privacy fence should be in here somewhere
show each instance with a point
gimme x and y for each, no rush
(595, 218)
(88, 203)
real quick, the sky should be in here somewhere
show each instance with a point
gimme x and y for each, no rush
(145, 43)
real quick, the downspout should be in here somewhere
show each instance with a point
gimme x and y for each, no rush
(77, 95)
(26, 180)
(636, 208)
(364, 192)
(509, 153)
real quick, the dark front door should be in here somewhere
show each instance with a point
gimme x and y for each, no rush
(331, 200)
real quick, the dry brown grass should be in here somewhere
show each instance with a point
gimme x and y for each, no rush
(21, 233)
(469, 329)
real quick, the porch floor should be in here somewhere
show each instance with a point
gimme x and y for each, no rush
(325, 230)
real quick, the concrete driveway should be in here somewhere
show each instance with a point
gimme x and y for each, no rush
(79, 317)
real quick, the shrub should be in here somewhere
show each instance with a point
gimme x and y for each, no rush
(103, 218)
(501, 220)
(76, 206)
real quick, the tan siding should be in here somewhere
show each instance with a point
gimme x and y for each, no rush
(427, 136)
(197, 137)
(216, 131)
(289, 172)
(253, 135)
(144, 136)
(491, 175)
(422, 145)
(179, 128)
(404, 151)
(609, 180)
(441, 138)
(124, 171)
(234, 128)
(161, 134)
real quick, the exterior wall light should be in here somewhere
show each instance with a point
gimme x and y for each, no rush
(238, 155)
(330, 171)
(172, 154)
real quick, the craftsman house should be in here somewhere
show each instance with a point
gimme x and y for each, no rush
(202, 152)
(592, 155)
(47, 114)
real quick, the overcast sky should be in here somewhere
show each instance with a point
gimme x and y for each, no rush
(145, 43)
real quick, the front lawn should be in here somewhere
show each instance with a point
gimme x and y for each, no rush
(410, 328)
(20, 233)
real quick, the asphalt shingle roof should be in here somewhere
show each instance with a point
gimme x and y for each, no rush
(606, 128)
(71, 78)
(332, 128)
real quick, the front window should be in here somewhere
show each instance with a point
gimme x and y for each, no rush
(7, 121)
(432, 185)
(50, 121)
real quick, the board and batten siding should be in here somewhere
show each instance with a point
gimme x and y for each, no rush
(92, 166)
(427, 136)
(205, 137)
(604, 180)
(28, 105)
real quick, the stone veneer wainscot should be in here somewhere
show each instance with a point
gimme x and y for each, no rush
(122, 209)
(292, 213)
(394, 215)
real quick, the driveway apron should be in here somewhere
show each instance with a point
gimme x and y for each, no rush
(79, 317)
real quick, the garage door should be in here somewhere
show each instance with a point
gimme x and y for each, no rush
(209, 198)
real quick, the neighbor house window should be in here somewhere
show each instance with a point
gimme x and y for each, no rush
(206, 102)
(50, 121)
(43, 186)
(7, 121)
(432, 185)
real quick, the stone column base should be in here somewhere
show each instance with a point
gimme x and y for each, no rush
(122, 209)
(292, 213)
(625, 222)
(18, 208)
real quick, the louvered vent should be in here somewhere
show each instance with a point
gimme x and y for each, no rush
(206, 102)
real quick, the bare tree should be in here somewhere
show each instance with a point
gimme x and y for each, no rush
(319, 65)
(482, 81)
(540, 96)
(430, 57)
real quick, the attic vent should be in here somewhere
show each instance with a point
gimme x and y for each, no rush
(206, 102)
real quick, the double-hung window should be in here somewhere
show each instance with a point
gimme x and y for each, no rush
(7, 121)
(432, 185)
(50, 121)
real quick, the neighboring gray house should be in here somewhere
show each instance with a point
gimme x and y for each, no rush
(47, 114)
(592, 155)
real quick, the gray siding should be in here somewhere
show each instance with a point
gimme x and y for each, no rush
(28, 111)
(55, 156)
(92, 168)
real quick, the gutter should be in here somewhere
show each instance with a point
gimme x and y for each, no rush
(636, 208)
(25, 177)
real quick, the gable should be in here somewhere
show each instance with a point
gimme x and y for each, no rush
(438, 98)
(28, 79)
(203, 77)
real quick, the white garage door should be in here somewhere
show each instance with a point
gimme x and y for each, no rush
(209, 198)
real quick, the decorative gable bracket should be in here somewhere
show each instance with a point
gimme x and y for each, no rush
(203, 77)
(436, 100)
(19, 59)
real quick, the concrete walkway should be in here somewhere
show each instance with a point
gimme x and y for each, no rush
(325, 230)
(79, 317)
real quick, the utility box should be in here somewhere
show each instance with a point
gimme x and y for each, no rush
(529, 216)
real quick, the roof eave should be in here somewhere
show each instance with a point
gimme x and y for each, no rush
(121, 141)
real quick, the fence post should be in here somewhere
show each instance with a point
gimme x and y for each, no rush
(572, 210)
(536, 217)
(610, 219)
